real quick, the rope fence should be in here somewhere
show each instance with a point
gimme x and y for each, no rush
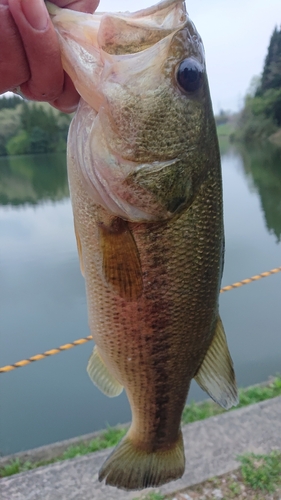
(66, 347)
(251, 280)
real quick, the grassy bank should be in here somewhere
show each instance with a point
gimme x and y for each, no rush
(248, 396)
(110, 437)
(225, 133)
(226, 129)
(258, 478)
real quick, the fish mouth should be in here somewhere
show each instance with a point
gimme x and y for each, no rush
(122, 65)
(91, 44)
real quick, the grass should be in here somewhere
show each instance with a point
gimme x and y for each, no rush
(226, 129)
(258, 478)
(225, 133)
(248, 396)
(151, 496)
(107, 439)
(262, 472)
(110, 437)
(14, 468)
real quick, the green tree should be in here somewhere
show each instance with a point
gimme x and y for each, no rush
(271, 76)
(38, 141)
(45, 128)
(10, 102)
(18, 145)
(3, 150)
(261, 115)
(9, 126)
(42, 126)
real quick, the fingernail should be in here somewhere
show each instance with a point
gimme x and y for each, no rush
(35, 13)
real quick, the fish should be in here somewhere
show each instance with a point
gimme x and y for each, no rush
(146, 191)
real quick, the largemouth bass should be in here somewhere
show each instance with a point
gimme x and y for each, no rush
(146, 191)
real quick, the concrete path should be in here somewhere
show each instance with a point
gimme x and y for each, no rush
(210, 446)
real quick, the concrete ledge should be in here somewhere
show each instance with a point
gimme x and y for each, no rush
(211, 448)
(54, 450)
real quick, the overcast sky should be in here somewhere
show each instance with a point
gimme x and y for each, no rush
(236, 36)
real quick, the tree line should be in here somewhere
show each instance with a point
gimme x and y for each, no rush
(261, 116)
(30, 128)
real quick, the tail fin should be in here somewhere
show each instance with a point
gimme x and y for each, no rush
(131, 468)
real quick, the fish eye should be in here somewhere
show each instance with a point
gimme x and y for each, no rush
(190, 75)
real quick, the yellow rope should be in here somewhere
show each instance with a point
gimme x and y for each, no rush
(45, 354)
(65, 347)
(250, 280)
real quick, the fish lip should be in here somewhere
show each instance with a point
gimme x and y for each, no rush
(164, 4)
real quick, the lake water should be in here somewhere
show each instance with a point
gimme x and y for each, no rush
(42, 297)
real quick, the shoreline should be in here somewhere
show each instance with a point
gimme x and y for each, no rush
(53, 451)
(211, 449)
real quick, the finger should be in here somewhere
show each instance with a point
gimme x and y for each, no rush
(68, 101)
(41, 48)
(80, 5)
(13, 70)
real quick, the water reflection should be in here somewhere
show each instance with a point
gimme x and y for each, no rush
(263, 167)
(43, 303)
(32, 179)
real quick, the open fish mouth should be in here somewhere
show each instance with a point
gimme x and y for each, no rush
(117, 63)
(96, 47)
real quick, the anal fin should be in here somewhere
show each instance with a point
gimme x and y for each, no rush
(101, 377)
(216, 374)
(120, 260)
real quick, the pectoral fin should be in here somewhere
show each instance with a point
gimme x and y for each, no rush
(120, 260)
(216, 374)
(101, 377)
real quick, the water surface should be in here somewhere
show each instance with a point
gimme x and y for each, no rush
(43, 305)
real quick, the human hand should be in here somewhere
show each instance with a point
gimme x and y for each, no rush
(30, 52)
